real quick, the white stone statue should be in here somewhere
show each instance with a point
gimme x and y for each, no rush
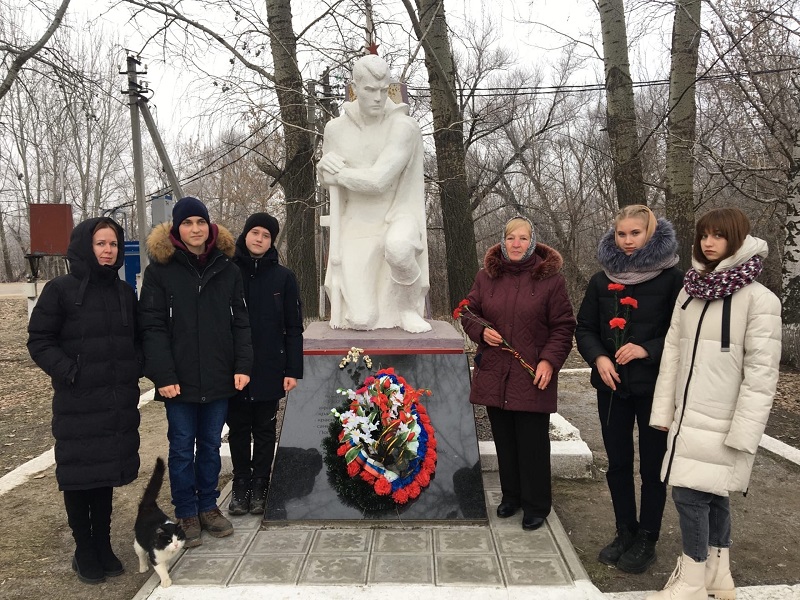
(377, 274)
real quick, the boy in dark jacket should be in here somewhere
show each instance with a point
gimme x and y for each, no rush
(196, 338)
(276, 321)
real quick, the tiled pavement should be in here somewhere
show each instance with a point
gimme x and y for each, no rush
(498, 560)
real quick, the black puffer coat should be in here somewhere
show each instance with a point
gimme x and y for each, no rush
(82, 333)
(195, 330)
(647, 325)
(276, 323)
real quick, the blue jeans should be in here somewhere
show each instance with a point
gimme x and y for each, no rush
(705, 521)
(194, 474)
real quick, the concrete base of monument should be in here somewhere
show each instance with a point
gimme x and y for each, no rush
(320, 338)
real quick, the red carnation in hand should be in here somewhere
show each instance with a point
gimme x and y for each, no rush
(617, 323)
(615, 287)
(628, 301)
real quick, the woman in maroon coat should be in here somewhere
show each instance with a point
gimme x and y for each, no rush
(519, 301)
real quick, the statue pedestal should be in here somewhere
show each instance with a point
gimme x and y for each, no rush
(301, 490)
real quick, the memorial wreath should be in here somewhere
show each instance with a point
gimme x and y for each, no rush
(381, 447)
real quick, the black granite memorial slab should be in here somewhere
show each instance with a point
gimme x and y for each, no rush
(301, 488)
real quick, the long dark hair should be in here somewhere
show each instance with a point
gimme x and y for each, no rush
(730, 223)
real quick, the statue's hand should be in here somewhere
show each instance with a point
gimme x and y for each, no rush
(331, 163)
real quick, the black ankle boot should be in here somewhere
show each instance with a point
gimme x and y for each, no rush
(240, 497)
(258, 500)
(640, 555)
(87, 566)
(611, 553)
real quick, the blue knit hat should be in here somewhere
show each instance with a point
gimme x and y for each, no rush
(184, 208)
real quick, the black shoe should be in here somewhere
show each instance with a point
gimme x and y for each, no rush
(240, 497)
(507, 509)
(112, 566)
(531, 523)
(87, 566)
(639, 556)
(258, 499)
(611, 553)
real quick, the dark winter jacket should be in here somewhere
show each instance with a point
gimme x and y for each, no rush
(193, 319)
(82, 333)
(646, 326)
(527, 304)
(276, 323)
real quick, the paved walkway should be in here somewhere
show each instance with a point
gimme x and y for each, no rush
(483, 562)
(496, 560)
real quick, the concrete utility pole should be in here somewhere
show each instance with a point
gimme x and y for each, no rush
(138, 102)
(133, 92)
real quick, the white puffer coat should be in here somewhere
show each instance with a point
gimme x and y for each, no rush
(716, 403)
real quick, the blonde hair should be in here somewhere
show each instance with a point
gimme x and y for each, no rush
(515, 223)
(641, 212)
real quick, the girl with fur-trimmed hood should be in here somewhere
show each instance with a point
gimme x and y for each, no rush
(519, 300)
(196, 338)
(639, 283)
(714, 393)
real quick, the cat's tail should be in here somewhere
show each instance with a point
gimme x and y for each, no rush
(154, 485)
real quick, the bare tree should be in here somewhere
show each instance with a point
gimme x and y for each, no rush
(681, 123)
(430, 27)
(16, 57)
(620, 111)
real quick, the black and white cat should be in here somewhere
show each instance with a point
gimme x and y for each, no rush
(157, 538)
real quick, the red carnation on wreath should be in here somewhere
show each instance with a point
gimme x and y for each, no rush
(400, 496)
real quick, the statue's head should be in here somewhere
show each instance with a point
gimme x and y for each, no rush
(371, 84)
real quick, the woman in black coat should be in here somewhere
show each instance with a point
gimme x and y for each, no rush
(82, 333)
(639, 283)
(276, 325)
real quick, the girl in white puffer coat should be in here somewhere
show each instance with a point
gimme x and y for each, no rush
(714, 392)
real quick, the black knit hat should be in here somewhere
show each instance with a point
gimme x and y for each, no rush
(264, 220)
(184, 208)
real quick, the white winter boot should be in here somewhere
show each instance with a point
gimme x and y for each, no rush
(719, 582)
(687, 582)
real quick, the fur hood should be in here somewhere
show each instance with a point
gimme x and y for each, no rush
(658, 249)
(161, 249)
(545, 262)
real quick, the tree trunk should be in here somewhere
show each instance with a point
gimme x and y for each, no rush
(448, 136)
(790, 272)
(298, 178)
(681, 125)
(620, 110)
(9, 270)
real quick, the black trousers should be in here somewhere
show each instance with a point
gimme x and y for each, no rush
(522, 440)
(256, 421)
(617, 428)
